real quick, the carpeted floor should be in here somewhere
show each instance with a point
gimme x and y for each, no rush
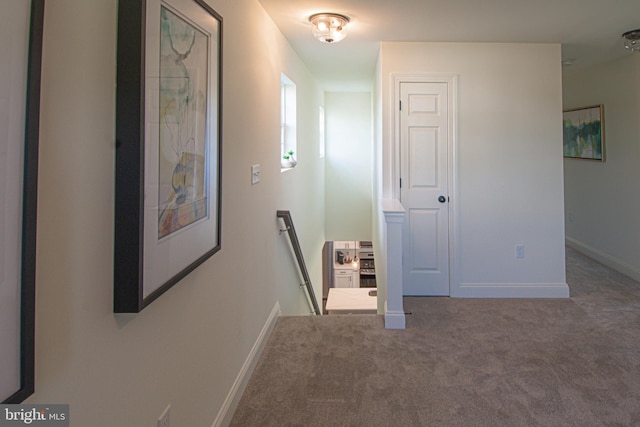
(460, 362)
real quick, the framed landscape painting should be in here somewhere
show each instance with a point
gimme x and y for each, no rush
(168, 146)
(583, 133)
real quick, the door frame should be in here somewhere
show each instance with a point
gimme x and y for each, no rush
(452, 157)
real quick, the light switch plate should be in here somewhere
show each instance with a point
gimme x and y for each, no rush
(255, 174)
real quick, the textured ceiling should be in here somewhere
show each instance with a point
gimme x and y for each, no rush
(589, 30)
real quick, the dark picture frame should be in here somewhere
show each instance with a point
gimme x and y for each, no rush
(26, 222)
(168, 146)
(583, 133)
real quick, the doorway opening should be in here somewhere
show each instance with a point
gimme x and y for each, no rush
(349, 278)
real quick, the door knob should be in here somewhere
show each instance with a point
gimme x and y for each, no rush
(442, 199)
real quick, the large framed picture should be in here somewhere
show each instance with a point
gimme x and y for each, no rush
(583, 133)
(168, 146)
(21, 51)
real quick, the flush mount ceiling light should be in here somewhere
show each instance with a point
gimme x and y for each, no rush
(329, 27)
(632, 40)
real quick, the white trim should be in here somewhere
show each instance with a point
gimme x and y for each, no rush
(393, 319)
(233, 397)
(604, 258)
(452, 146)
(393, 210)
(511, 290)
(394, 215)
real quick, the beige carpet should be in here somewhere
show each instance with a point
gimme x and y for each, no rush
(460, 362)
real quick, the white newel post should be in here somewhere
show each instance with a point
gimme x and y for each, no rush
(394, 214)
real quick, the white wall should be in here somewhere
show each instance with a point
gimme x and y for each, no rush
(187, 348)
(602, 199)
(509, 161)
(348, 165)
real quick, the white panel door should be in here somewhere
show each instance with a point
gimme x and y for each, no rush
(424, 187)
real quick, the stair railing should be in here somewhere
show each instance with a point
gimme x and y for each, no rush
(291, 231)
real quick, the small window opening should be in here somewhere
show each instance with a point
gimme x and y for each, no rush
(288, 137)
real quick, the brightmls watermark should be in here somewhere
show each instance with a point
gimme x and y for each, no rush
(34, 415)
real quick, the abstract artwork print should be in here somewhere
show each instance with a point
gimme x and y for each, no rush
(182, 190)
(583, 136)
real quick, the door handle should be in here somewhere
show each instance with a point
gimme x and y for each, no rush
(442, 199)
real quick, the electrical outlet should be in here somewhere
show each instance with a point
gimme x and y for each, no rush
(165, 418)
(519, 251)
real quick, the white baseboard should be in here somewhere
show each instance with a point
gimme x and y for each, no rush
(604, 258)
(393, 319)
(230, 404)
(520, 290)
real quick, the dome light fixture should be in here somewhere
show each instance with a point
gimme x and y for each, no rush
(329, 27)
(632, 40)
